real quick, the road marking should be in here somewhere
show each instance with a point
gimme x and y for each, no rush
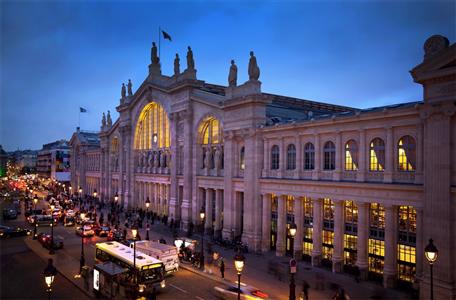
(178, 288)
(199, 298)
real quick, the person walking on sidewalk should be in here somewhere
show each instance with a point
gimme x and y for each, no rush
(222, 268)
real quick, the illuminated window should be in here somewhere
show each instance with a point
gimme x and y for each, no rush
(275, 156)
(327, 252)
(406, 256)
(307, 248)
(308, 233)
(115, 145)
(377, 247)
(329, 152)
(406, 153)
(210, 131)
(291, 157)
(351, 156)
(309, 156)
(350, 241)
(308, 207)
(242, 159)
(152, 121)
(407, 225)
(351, 217)
(377, 155)
(328, 209)
(377, 215)
(328, 237)
(376, 256)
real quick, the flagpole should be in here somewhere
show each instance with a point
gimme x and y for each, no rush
(159, 39)
(79, 118)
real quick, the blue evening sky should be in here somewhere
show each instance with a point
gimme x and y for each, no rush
(59, 55)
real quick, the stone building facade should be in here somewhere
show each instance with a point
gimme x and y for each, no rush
(365, 187)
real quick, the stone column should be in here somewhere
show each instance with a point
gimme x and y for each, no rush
(362, 157)
(390, 268)
(299, 154)
(267, 156)
(318, 154)
(363, 239)
(419, 243)
(339, 226)
(281, 225)
(266, 223)
(218, 213)
(186, 207)
(174, 209)
(299, 221)
(339, 156)
(228, 192)
(317, 232)
(389, 155)
(419, 154)
(282, 160)
(208, 223)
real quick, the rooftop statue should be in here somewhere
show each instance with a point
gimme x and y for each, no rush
(109, 121)
(254, 70)
(190, 61)
(129, 85)
(176, 65)
(232, 77)
(123, 91)
(153, 54)
(103, 120)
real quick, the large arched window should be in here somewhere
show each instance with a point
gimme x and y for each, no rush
(242, 159)
(152, 130)
(406, 153)
(351, 156)
(115, 145)
(329, 153)
(210, 131)
(275, 156)
(210, 137)
(377, 155)
(309, 156)
(291, 157)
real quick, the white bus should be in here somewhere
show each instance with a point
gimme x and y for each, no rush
(150, 271)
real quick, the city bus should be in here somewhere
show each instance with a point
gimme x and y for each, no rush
(150, 271)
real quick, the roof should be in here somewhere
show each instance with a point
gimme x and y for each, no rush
(126, 253)
(110, 268)
(88, 137)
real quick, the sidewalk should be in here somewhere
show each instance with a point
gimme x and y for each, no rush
(255, 273)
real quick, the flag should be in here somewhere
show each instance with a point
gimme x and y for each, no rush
(166, 35)
(82, 109)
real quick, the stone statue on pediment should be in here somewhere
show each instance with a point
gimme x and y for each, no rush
(123, 91)
(217, 158)
(168, 158)
(109, 120)
(150, 159)
(153, 54)
(156, 159)
(207, 158)
(232, 76)
(162, 159)
(103, 120)
(190, 60)
(254, 70)
(129, 85)
(176, 65)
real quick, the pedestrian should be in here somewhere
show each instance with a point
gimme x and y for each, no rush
(357, 274)
(222, 268)
(305, 290)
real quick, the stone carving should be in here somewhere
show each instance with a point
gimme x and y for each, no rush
(162, 160)
(156, 159)
(142, 160)
(232, 76)
(435, 44)
(217, 158)
(123, 92)
(254, 70)
(129, 85)
(207, 158)
(176, 65)
(153, 54)
(109, 120)
(150, 159)
(103, 120)
(190, 60)
(168, 159)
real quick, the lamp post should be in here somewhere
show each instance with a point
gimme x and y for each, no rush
(147, 217)
(70, 188)
(116, 198)
(49, 274)
(431, 253)
(82, 260)
(239, 260)
(51, 251)
(202, 215)
(292, 295)
(134, 232)
(80, 196)
(35, 201)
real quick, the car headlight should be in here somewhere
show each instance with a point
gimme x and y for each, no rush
(162, 284)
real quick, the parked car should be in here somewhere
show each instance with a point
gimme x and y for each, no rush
(247, 292)
(69, 221)
(115, 235)
(40, 220)
(102, 230)
(33, 212)
(85, 231)
(45, 240)
(9, 214)
(6, 231)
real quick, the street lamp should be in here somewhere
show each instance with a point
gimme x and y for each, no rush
(80, 196)
(82, 260)
(239, 260)
(147, 217)
(51, 251)
(134, 232)
(431, 253)
(49, 274)
(292, 296)
(202, 215)
(95, 193)
(35, 201)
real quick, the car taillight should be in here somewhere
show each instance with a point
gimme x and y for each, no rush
(259, 294)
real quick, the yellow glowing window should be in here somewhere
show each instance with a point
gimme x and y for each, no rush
(327, 252)
(351, 212)
(406, 253)
(152, 121)
(328, 209)
(406, 153)
(307, 248)
(377, 155)
(350, 241)
(290, 204)
(328, 237)
(308, 232)
(377, 215)
(308, 207)
(351, 156)
(377, 247)
(210, 131)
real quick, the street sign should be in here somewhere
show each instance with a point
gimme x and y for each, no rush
(293, 266)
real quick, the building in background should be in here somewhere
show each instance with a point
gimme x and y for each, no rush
(53, 161)
(3, 161)
(366, 188)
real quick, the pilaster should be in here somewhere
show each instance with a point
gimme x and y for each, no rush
(339, 226)
(317, 232)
